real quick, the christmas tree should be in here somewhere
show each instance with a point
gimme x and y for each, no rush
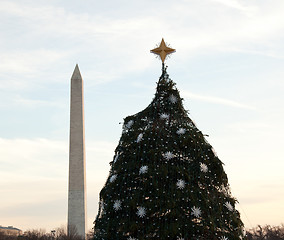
(166, 181)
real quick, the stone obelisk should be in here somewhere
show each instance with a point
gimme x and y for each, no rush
(77, 162)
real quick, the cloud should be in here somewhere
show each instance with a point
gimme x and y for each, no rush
(20, 101)
(60, 36)
(45, 158)
(58, 20)
(106, 40)
(34, 175)
(235, 4)
(26, 69)
(26, 61)
(216, 100)
(256, 127)
(122, 30)
(268, 53)
(231, 26)
(260, 201)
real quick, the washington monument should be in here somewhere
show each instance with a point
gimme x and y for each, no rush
(77, 162)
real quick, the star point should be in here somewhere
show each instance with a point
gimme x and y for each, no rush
(163, 50)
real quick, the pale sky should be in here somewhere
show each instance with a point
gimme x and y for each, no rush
(228, 67)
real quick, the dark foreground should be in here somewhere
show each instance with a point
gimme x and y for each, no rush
(266, 232)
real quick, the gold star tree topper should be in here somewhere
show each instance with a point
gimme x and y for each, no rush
(163, 50)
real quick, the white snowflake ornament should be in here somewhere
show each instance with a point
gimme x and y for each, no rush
(180, 184)
(213, 150)
(129, 124)
(195, 211)
(168, 155)
(141, 212)
(117, 205)
(143, 169)
(203, 167)
(244, 232)
(181, 131)
(139, 138)
(131, 238)
(113, 178)
(173, 99)
(164, 116)
(223, 238)
(180, 238)
(102, 204)
(229, 206)
(116, 158)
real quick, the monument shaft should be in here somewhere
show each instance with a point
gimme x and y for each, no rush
(77, 162)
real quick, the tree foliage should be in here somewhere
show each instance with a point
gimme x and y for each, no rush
(166, 181)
